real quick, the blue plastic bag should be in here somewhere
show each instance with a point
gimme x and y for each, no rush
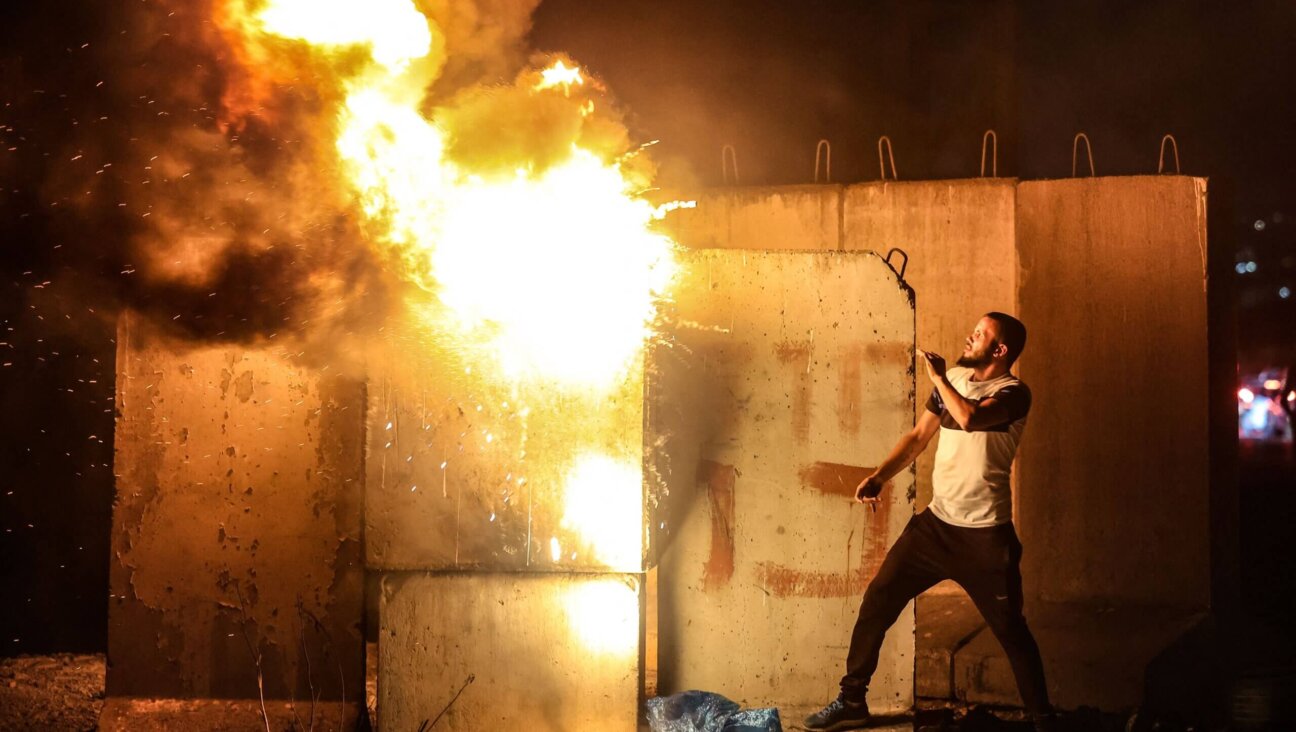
(703, 711)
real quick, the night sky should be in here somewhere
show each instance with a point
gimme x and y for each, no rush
(774, 78)
(769, 78)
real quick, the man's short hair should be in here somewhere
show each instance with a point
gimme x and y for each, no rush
(1012, 333)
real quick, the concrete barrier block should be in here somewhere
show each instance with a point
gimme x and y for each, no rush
(945, 623)
(545, 652)
(787, 376)
(467, 470)
(1113, 493)
(782, 217)
(236, 524)
(1093, 655)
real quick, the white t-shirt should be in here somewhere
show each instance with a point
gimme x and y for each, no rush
(971, 481)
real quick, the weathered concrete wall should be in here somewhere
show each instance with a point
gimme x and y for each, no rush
(1113, 490)
(1094, 655)
(237, 521)
(545, 651)
(783, 217)
(960, 236)
(787, 376)
(470, 470)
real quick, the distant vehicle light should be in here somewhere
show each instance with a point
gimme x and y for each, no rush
(1291, 396)
(1246, 395)
(1257, 417)
(1272, 384)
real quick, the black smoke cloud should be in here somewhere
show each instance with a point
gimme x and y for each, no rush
(129, 184)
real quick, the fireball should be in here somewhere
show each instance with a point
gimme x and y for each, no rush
(548, 271)
(513, 213)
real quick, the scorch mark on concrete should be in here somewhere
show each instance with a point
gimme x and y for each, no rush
(719, 481)
(851, 362)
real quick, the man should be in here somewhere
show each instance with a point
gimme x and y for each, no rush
(966, 534)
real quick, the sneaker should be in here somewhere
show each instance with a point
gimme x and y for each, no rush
(840, 714)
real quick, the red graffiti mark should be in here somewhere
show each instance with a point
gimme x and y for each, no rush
(849, 417)
(835, 479)
(719, 481)
(892, 353)
(850, 363)
(784, 581)
(797, 355)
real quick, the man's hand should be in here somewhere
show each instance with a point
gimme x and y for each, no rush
(868, 489)
(935, 366)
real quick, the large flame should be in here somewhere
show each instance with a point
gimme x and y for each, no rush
(514, 209)
(550, 270)
(599, 486)
(393, 30)
(604, 615)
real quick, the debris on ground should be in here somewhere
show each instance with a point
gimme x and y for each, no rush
(63, 692)
(703, 711)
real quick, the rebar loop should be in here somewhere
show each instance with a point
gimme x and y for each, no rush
(882, 159)
(728, 157)
(990, 139)
(1075, 149)
(825, 148)
(1161, 158)
(903, 265)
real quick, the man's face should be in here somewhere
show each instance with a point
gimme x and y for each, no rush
(979, 348)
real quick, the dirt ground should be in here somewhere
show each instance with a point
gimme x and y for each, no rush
(59, 693)
(65, 693)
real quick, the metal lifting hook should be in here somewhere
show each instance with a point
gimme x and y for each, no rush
(728, 158)
(903, 265)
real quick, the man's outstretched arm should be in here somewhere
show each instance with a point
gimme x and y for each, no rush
(905, 452)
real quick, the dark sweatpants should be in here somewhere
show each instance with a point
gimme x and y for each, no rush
(985, 561)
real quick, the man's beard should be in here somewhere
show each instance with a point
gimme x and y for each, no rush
(975, 360)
